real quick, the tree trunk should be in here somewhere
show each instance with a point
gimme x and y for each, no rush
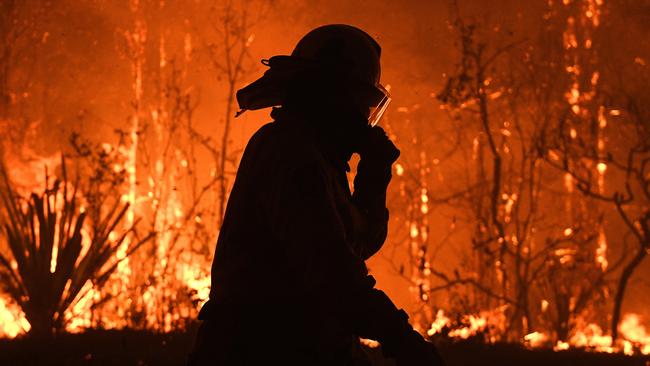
(622, 286)
(41, 322)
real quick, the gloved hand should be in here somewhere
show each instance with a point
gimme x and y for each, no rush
(377, 154)
(377, 148)
(413, 350)
(398, 339)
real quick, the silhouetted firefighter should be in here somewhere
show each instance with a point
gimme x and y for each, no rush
(289, 282)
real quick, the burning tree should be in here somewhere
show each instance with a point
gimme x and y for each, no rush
(629, 164)
(533, 254)
(167, 183)
(598, 136)
(620, 148)
(176, 175)
(539, 183)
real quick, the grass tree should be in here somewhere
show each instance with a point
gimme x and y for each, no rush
(54, 248)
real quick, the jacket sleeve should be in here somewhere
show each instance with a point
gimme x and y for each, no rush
(303, 215)
(369, 197)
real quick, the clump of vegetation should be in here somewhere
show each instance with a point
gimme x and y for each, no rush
(56, 246)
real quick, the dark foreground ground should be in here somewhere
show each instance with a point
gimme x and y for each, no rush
(142, 348)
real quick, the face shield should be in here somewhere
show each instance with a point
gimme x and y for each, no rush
(377, 111)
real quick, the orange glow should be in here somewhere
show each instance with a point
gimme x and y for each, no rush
(587, 336)
(12, 320)
(496, 229)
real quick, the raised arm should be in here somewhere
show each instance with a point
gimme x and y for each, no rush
(377, 153)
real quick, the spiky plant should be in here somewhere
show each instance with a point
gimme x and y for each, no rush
(49, 259)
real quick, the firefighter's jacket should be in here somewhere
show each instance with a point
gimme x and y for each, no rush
(288, 273)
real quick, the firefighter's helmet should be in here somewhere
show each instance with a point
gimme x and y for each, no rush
(340, 53)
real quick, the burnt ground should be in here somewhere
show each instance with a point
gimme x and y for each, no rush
(127, 347)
